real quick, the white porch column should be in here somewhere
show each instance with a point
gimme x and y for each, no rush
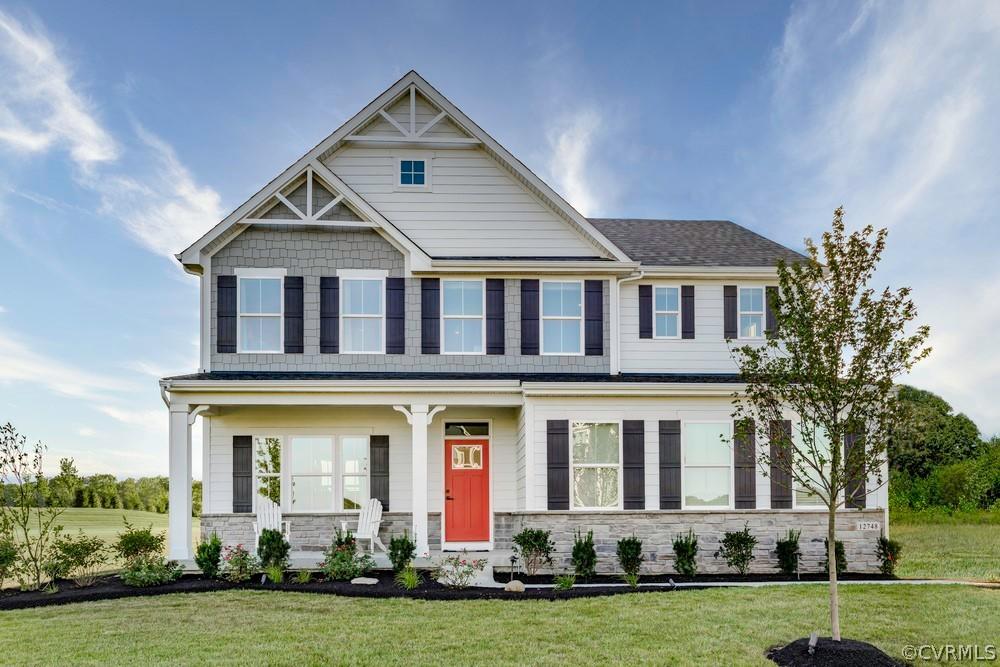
(179, 518)
(419, 418)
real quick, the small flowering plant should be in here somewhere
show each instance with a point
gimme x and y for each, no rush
(238, 564)
(458, 571)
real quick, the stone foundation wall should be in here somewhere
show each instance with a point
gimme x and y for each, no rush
(656, 529)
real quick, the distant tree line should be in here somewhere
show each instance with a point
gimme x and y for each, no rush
(104, 491)
(939, 459)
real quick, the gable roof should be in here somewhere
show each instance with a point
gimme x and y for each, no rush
(693, 243)
(312, 160)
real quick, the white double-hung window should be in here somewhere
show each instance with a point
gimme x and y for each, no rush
(362, 311)
(596, 465)
(667, 312)
(708, 464)
(260, 298)
(751, 312)
(562, 317)
(815, 444)
(267, 468)
(462, 316)
(328, 474)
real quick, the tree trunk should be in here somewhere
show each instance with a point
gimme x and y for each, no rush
(831, 566)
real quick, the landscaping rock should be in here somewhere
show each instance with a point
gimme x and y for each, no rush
(514, 586)
(845, 653)
(364, 581)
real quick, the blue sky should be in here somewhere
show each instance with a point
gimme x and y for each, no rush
(127, 129)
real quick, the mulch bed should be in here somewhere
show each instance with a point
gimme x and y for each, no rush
(845, 653)
(111, 588)
(503, 577)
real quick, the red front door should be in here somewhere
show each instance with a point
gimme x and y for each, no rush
(467, 490)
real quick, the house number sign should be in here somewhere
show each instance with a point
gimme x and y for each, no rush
(869, 525)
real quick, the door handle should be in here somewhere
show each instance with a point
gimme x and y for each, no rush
(446, 496)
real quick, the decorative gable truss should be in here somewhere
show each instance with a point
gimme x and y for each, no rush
(411, 118)
(307, 200)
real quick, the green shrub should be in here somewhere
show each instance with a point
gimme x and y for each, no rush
(150, 571)
(888, 552)
(238, 564)
(737, 549)
(686, 554)
(402, 551)
(342, 562)
(534, 547)
(80, 558)
(408, 578)
(840, 554)
(275, 573)
(564, 582)
(303, 577)
(788, 552)
(139, 543)
(8, 557)
(629, 552)
(272, 549)
(208, 556)
(584, 557)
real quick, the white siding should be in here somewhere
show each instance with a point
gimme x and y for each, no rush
(281, 421)
(707, 352)
(474, 208)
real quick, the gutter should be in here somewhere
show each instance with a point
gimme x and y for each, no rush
(616, 334)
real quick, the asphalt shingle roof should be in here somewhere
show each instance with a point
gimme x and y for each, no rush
(692, 243)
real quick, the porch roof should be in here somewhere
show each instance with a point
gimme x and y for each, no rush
(655, 378)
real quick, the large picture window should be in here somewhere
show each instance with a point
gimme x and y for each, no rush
(326, 473)
(462, 316)
(362, 314)
(667, 315)
(708, 464)
(312, 476)
(751, 312)
(260, 302)
(595, 461)
(805, 439)
(562, 317)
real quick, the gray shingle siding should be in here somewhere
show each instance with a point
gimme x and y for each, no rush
(692, 243)
(320, 252)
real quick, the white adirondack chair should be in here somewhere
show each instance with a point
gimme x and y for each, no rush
(368, 524)
(268, 517)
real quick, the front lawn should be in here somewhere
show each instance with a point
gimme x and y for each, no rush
(948, 550)
(721, 626)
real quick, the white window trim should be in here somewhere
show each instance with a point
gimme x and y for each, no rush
(740, 312)
(337, 474)
(361, 274)
(481, 318)
(573, 465)
(542, 317)
(428, 177)
(685, 466)
(340, 462)
(667, 312)
(269, 274)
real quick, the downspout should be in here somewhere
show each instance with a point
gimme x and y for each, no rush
(616, 334)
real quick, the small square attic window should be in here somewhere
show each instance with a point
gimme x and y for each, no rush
(412, 172)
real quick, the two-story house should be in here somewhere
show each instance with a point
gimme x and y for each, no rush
(408, 313)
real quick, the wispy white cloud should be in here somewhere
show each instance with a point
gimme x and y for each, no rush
(151, 420)
(571, 143)
(38, 106)
(86, 432)
(890, 111)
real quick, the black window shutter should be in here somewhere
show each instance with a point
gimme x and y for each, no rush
(745, 465)
(770, 321)
(645, 311)
(395, 316)
(378, 451)
(242, 473)
(854, 450)
(329, 315)
(225, 314)
(687, 311)
(593, 317)
(294, 313)
(430, 316)
(529, 317)
(781, 479)
(633, 464)
(557, 462)
(670, 464)
(729, 314)
(495, 316)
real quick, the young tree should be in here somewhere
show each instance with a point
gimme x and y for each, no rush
(65, 485)
(838, 347)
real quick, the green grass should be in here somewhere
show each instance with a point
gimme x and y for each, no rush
(948, 551)
(720, 626)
